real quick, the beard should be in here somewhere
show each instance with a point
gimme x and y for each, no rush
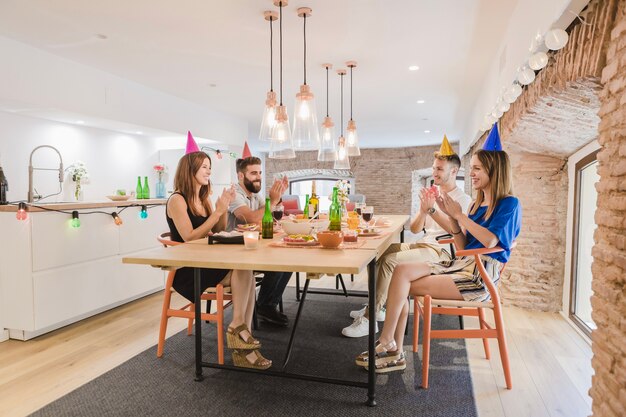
(252, 186)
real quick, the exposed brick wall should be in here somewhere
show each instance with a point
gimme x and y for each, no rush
(608, 389)
(555, 116)
(384, 175)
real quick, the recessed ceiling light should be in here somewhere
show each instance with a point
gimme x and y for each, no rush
(139, 132)
(426, 131)
(420, 102)
(414, 68)
(80, 122)
(212, 85)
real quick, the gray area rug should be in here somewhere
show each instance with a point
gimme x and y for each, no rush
(145, 385)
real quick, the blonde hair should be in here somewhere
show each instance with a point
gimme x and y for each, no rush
(184, 181)
(498, 168)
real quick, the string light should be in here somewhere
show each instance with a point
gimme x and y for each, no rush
(143, 214)
(117, 219)
(21, 214)
(75, 222)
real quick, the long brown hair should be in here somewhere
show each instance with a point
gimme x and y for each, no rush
(498, 168)
(184, 181)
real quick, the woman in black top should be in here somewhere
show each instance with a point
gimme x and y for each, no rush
(190, 215)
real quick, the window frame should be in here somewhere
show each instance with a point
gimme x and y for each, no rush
(578, 169)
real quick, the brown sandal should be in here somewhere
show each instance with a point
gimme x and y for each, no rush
(384, 354)
(240, 360)
(234, 339)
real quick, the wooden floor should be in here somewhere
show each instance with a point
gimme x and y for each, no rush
(551, 363)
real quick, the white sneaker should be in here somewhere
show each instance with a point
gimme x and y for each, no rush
(359, 328)
(380, 315)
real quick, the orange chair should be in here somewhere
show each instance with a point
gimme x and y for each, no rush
(218, 293)
(426, 306)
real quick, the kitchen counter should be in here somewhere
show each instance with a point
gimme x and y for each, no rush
(79, 205)
(53, 274)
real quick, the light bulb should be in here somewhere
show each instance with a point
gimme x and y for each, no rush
(327, 134)
(271, 116)
(280, 132)
(526, 76)
(21, 214)
(75, 222)
(556, 39)
(304, 111)
(117, 219)
(341, 153)
(351, 139)
(538, 60)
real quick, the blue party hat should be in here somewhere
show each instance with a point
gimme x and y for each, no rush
(493, 140)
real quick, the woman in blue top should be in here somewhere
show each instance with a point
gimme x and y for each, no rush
(494, 219)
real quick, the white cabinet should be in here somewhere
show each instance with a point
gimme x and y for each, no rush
(52, 274)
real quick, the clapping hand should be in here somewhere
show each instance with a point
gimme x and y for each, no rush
(278, 188)
(449, 206)
(427, 200)
(224, 200)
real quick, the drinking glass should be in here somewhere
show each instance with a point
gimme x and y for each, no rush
(251, 239)
(353, 222)
(358, 207)
(277, 213)
(368, 213)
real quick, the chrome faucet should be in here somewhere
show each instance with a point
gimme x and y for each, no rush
(31, 197)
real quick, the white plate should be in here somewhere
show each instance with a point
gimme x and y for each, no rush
(118, 197)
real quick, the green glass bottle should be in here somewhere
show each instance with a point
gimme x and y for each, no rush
(139, 189)
(334, 213)
(306, 208)
(146, 189)
(267, 224)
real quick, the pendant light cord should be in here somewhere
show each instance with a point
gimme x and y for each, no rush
(341, 105)
(326, 91)
(271, 56)
(304, 16)
(280, 5)
(351, 91)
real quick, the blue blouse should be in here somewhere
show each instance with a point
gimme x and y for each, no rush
(505, 222)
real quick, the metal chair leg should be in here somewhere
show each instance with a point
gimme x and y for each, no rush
(297, 286)
(208, 309)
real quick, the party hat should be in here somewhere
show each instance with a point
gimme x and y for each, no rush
(192, 146)
(246, 151)
(493, 140)
(446, 149)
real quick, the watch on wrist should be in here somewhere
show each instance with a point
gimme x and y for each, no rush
(431, 211)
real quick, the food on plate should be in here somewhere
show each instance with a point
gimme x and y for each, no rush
(120, 192)
(350, 237)
(298, 238)
(368, 231)
(247, 226)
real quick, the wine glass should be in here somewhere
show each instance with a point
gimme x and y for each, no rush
(367, 213)
(358, 207)
(277, 213)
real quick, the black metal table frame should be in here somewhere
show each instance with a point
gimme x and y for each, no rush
(371, 377)
(343, 291)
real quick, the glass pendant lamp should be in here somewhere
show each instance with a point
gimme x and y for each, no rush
(306, 135)
(281, 145)
(269, 115)
(352, 139)
(328, 150)
(343, 159)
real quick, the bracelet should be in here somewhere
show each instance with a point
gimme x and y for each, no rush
(456, 233)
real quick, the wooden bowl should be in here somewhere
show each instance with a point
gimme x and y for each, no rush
(330, 239)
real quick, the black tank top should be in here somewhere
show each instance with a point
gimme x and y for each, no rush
(196, 221)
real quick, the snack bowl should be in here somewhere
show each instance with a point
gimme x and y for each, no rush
(293, 228)
(330, 239)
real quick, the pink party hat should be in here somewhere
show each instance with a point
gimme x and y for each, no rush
(192, 146)
(246, 151)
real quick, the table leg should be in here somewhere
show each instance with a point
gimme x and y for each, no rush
(371, 377)
(196, 299)
(297, 286)
(295, 323)
(402, 235)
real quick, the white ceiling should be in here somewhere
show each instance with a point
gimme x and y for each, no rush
(217, 54)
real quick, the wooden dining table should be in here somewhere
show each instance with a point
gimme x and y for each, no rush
(199, 254)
